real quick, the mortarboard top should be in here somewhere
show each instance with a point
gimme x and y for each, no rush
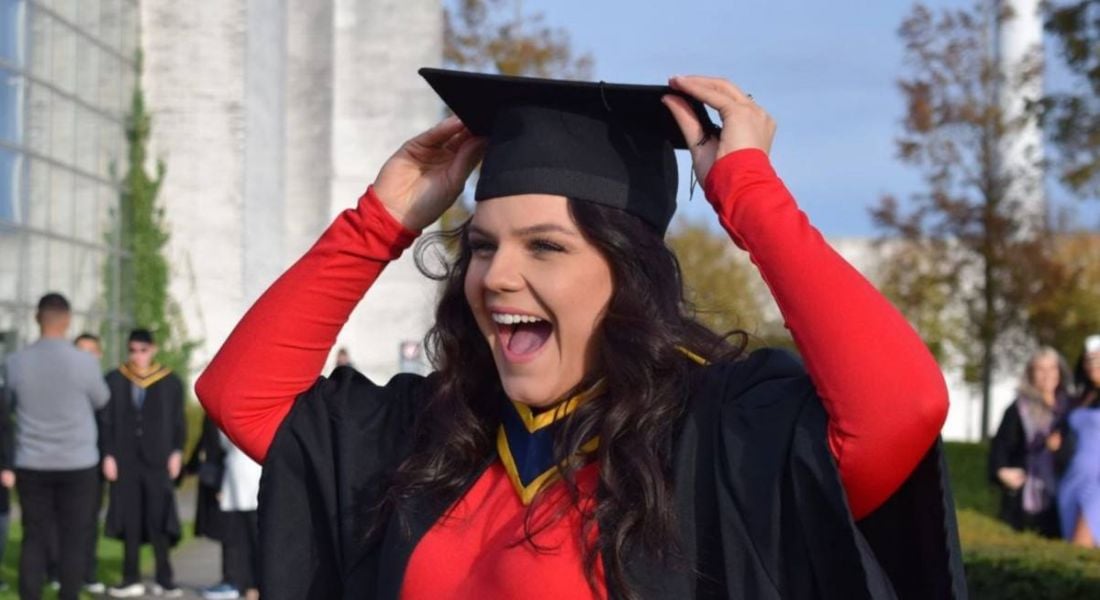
(602, 142)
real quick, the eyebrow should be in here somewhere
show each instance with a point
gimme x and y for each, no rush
(533, 229)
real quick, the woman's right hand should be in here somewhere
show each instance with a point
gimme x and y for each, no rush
(423, 178)
(1012, 477)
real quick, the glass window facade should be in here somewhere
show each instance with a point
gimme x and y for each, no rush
(66, 71)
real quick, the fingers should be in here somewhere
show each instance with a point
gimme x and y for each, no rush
(685, 118)
(441, 133)
(468, 155)
(711, 90)
(695, 135)
(701, 145)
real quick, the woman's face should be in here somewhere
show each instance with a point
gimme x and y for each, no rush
(538, 290)
(1045, 375)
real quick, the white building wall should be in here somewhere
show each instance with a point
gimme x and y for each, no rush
(964, 416)
(263, 228)
(272, 116)
(195, 86)
(379, 102)
(309, 65)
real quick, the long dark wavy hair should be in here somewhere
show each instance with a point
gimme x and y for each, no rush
(640, 356)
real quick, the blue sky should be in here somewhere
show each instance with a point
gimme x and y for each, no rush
(826, 71)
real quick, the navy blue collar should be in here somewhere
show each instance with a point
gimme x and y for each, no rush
(525, 442)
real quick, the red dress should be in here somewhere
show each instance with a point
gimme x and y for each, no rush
(883, 391)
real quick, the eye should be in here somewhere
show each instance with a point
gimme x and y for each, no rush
(481, 248)
(543, 245)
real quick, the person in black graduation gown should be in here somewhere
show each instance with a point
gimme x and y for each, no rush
(143, 430)
(573, 381)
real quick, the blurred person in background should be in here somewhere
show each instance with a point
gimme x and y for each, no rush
(343, 358)
(1026, 454)
(7, 479)
(1079, 495)
(143, 435)
(56, 390)
(207, 463)
(89, 342)
(238, 501)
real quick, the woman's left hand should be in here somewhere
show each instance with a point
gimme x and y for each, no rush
(744, 123)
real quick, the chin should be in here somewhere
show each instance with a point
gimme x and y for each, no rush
(524, 391)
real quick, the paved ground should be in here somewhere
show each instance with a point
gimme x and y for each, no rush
(197, 563)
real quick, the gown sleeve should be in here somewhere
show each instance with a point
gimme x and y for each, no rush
(883, 390)
(763, 507)
(327, 470)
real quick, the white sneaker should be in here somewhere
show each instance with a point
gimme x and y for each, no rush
(95, 587)
(131, 590)
(167, 592)
(221, 591)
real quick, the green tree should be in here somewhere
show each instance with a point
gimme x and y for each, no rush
(721, 285)
(139, 281)
(962, 260)
(498, 36)
(1073, 117)
(1066, 305)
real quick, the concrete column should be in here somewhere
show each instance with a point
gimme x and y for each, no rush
(1020, 58)
(195, 86)
(378, 102)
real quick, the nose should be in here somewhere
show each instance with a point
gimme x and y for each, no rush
(503, 273)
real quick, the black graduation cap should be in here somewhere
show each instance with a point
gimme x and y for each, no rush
(601, 142)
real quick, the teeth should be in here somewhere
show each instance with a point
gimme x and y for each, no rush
(507, 319)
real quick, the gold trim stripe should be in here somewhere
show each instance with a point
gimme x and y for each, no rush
(693, 356)
(528, 492)
(156, 373)
(533, 422)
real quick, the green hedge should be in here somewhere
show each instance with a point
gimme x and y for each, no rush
(967, 466)
(1003, 564)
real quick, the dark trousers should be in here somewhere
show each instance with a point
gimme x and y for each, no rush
(241, 548)
(92, 564)
(48, 499)
(148, 488)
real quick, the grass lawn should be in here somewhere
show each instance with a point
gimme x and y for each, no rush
(109, 552)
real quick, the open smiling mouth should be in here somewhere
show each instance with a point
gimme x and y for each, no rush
(521, 336)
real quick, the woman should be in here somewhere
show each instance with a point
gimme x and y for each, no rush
(1024, 458)
(237, 503)
(583, 436)
(1079, 495)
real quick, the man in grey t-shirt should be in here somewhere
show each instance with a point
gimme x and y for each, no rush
(56, 390)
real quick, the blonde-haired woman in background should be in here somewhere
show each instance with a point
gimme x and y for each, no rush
(1024, 457)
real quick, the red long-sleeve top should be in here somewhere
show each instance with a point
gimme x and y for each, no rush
(883, 391)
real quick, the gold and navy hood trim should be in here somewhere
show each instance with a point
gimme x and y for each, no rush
(525, 442)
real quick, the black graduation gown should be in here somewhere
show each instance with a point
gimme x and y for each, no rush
(207, 463)
(762, 511)
(162, 427)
